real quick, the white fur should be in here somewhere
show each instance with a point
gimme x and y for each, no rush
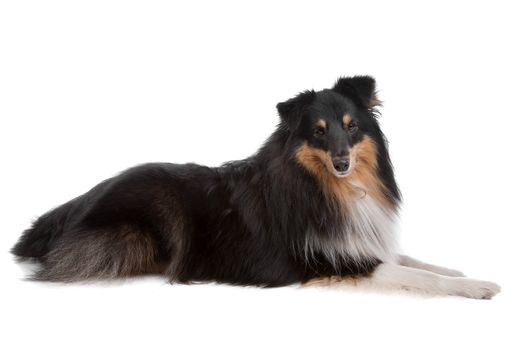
(411, 262)
(402, 277)
(371, 233)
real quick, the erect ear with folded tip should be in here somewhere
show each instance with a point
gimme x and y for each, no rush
(361, 89)
(292, 110)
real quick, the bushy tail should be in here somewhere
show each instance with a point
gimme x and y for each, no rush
(38, 240)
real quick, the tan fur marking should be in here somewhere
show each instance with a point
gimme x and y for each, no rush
(136, 253)
(362, 180)
(330, 281)
(374, 101)
(319, 163)
(363, 156)
(321, 123)
(347, 119)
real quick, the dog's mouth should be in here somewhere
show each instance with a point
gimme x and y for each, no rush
(341, 173)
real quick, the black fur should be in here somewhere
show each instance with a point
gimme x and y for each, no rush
(243, 223)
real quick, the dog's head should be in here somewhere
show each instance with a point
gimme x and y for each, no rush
(334, 131)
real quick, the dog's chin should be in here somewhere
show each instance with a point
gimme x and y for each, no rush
(341, 174)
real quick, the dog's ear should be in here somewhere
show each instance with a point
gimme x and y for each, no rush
(291, 110)
(361, 89)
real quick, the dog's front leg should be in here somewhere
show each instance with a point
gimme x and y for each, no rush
(414, 263)
(403, 277)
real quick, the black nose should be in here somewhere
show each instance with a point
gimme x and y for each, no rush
(341, 164)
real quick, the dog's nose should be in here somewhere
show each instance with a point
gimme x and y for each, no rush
(341, 164)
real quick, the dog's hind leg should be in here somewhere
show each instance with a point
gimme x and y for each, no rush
(414, 263)
(102, 254)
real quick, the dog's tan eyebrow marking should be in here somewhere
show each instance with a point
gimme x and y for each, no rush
(347, 119)
(321, 123)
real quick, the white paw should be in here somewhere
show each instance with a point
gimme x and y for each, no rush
(471, 288)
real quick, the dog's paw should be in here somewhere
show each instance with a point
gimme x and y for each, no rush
(471, 288)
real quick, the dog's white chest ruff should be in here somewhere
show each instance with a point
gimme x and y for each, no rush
(371, 233)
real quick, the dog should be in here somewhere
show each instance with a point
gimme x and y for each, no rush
(317, 202)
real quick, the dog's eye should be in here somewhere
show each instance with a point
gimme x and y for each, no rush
(352, 127)
(319, 131)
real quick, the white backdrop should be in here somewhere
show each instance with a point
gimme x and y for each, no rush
(88, 89)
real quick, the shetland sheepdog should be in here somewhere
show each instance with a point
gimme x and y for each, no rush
(317, 202)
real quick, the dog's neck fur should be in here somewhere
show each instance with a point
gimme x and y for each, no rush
(363, 213)
(369, 216)
(370, 233)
